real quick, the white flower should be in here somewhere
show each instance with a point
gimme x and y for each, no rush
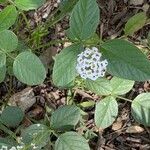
(13, 148)
(90, 65)
(19, 147)
(4, 148)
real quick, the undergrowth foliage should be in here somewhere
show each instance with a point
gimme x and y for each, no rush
(87, 59)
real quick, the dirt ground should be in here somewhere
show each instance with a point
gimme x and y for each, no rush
(125, 133)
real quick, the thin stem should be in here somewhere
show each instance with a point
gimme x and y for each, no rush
(51, 43)
(10, 1)
(26, 20)
(6, 130)
(7, 54)
(126, 99)
(57, 19)
(148, 21)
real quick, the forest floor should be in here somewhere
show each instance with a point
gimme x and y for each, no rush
(125, 133)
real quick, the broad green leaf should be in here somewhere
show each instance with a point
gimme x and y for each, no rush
(29, 69)
(37, 134)
(2, 59)
(71, 141)
(2, 73)
(29, 4)
(106, 112)
(64, 71)
(8, 17)
(135, 23)
(6, 142)
(2, 1)
(67, 5)
(65, 117)
(101, 86)
(84, 19)
(8, 41)
(141, 109)
(125, 60)
(22, 47)
(121, 86)
(93, 40)
(12, 116)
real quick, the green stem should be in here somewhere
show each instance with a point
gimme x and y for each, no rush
(57, 19)
(6, 130)
(126, 99)
(51, 43)
(10, 1)
(3, 51)
(26, 20)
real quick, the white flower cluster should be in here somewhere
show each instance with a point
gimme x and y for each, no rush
(90, 65)
(18, 147)
(12, 148)
(21, 146)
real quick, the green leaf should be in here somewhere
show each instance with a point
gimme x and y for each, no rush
(64, 71)
(8, 41)
(6, 142)
(2, 59)
(71, 141)
(2, 73)
(12, 116)
(8, 17)
(87, 104)
(135, 23)
(65, 117)
(121, 86)
(101, 86)
(67, 5)
(141, 109)
(29, 69)
(37, 134)
(29, 4)
(84, 19)
(106, 112)
(126, 61)
(2, 1)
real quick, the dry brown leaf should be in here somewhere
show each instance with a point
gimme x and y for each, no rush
(134, 129)
(136, 2)
(117, 126)
(24, 99)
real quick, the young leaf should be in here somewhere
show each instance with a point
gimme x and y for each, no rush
(29, 4)
(8, 41)
(12, 116)
(101, 86)
(71, 141)
(64, 71)
(141, 109)
(37, 134)
(29, 69)
(2, 73)
(8, 17)
(106, 112)
(135, 23)
(121, 86)
(126, 61)
(84, 19)
(65, 117)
